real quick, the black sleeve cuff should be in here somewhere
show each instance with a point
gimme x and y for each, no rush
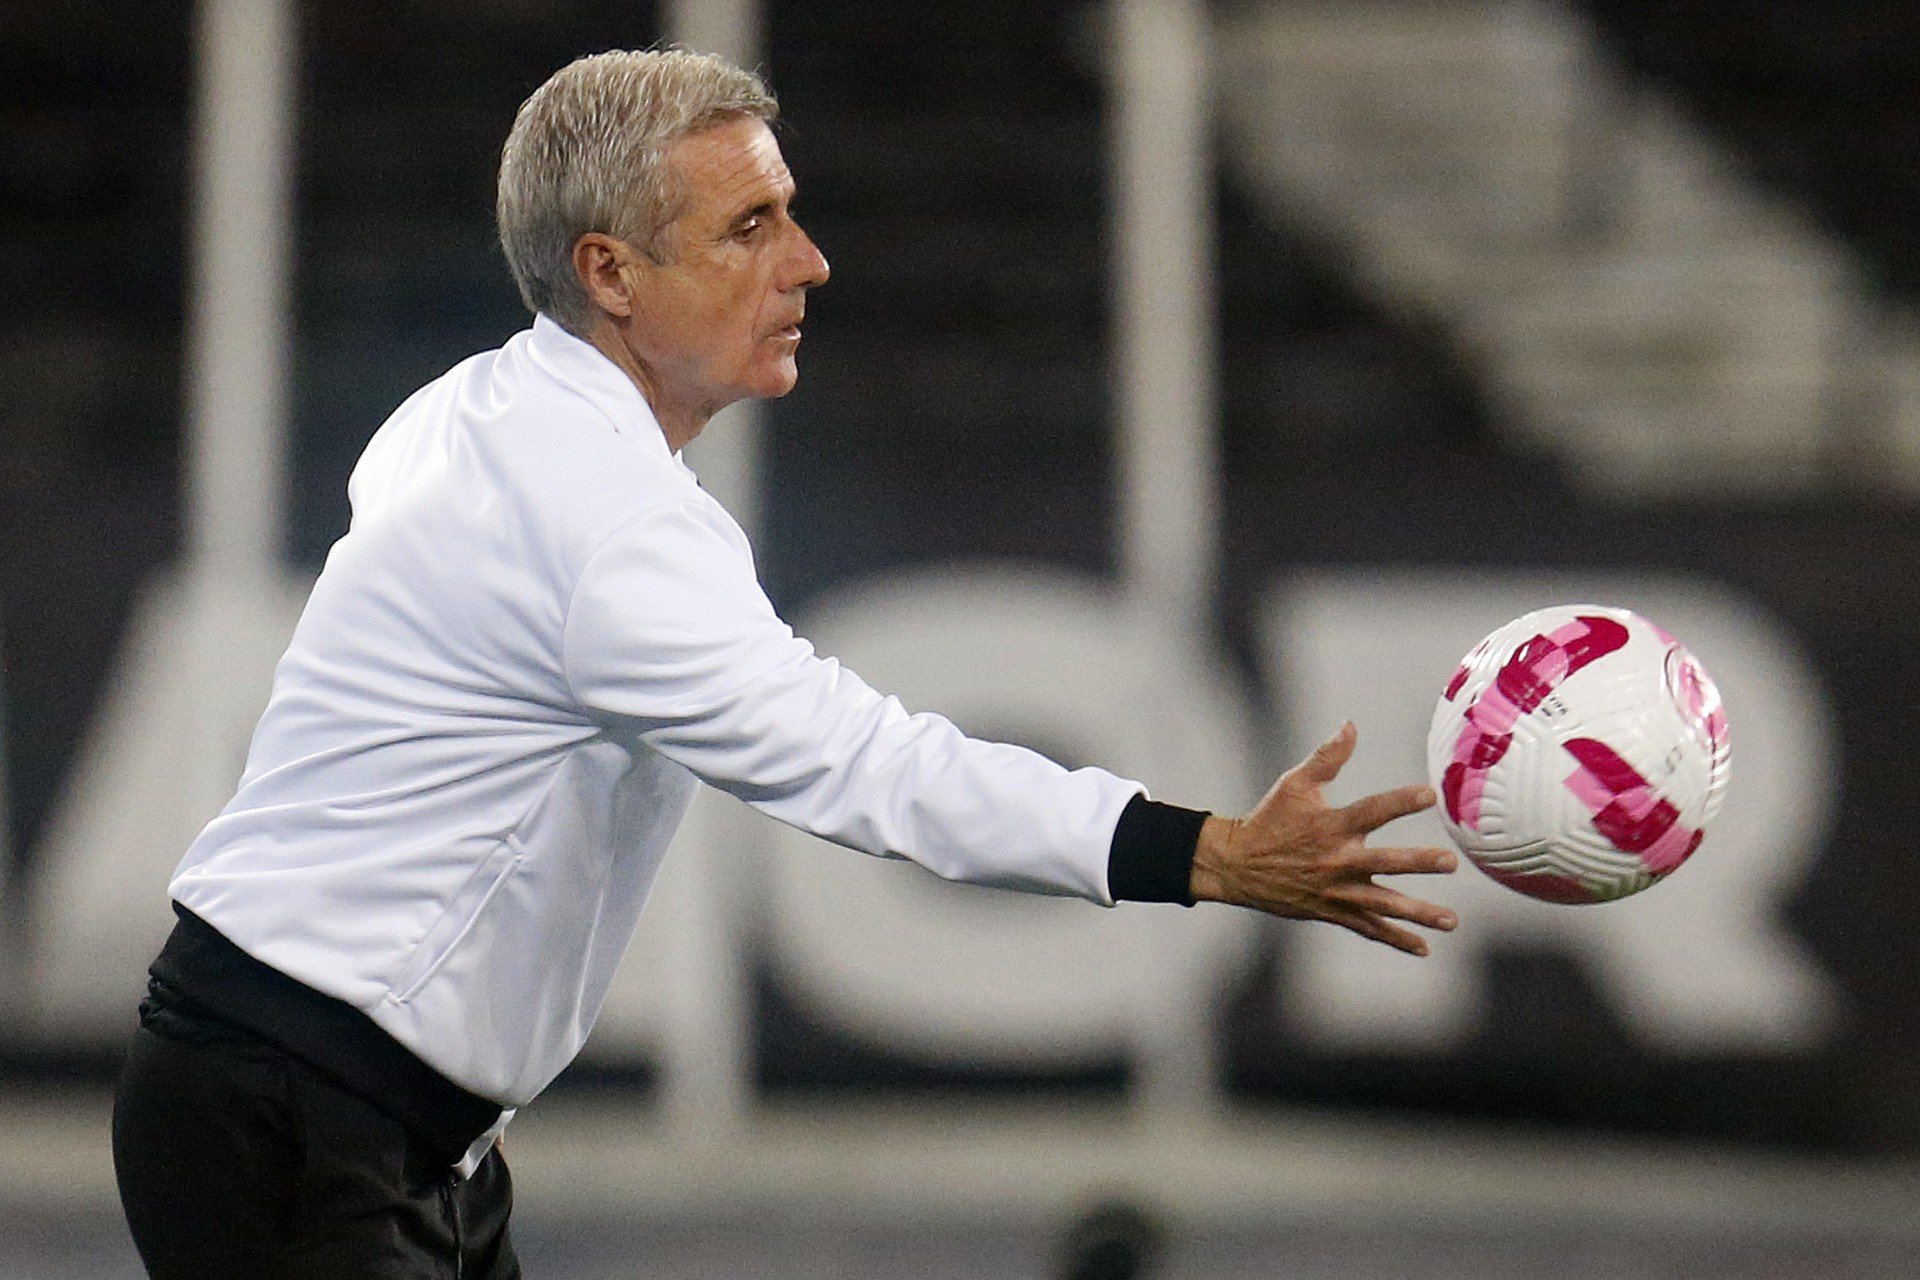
(1152, 855)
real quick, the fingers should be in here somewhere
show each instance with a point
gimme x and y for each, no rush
(1372, 915)
(1324, 765)
(1374, 812)
(1381, 901)
(1371, 910)
(1388, 861)
(1380, 929)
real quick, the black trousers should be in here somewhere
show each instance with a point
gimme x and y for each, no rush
(238, 1161)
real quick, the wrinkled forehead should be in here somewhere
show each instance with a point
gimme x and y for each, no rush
(735, 163)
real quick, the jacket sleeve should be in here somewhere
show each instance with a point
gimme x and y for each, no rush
(669, 637)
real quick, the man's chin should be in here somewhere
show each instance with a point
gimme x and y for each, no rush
(775, 382)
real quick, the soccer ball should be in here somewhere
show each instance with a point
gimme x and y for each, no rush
(1579, 753)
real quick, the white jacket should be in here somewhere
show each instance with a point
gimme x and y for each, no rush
(538, 632)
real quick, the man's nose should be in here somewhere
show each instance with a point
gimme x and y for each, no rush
(809, 264)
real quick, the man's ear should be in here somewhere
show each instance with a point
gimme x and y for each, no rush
(603, 264)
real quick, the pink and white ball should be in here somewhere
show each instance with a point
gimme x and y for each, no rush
(1579, 753)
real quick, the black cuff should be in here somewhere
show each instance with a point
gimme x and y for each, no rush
(1152, 855)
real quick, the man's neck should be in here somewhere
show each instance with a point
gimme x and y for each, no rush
(679, 423)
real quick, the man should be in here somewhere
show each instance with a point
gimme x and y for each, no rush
(537, 635)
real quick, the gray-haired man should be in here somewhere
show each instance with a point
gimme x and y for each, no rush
(538, 635)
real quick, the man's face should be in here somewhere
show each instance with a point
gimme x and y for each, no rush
(719, 320)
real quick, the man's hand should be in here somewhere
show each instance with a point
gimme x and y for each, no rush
(1295, 856)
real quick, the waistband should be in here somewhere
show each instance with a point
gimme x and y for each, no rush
(200, 971)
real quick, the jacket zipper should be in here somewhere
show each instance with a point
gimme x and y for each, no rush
(453, 1218)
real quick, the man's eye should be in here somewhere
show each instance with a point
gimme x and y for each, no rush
(749, 229)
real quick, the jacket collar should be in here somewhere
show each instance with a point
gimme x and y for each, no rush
(584, 369)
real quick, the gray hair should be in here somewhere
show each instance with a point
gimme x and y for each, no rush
(588, 153)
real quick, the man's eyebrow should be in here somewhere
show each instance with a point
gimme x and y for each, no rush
(759, 210)
(762, 208)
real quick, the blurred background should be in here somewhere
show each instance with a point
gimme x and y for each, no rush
(1191, 377)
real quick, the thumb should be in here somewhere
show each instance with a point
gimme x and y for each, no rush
(1319, 768)
(1324, 765)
